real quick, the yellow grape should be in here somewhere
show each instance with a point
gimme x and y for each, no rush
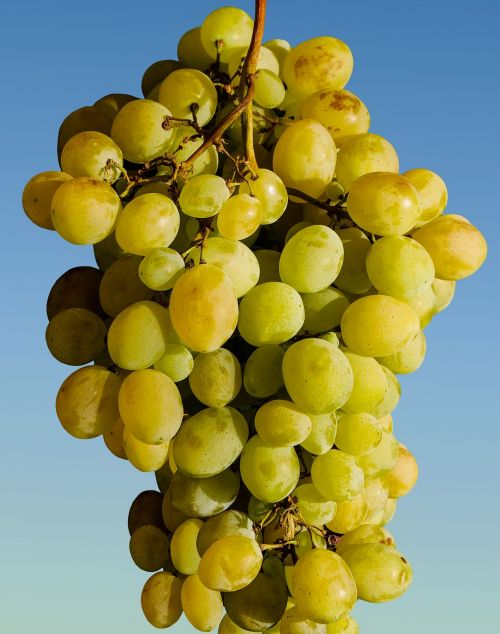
(138, 335)
(176, 362)
(150, 406)
(358, 433)
(282, 424)
(409, 358)
(231, 563)
(364, 153)
(269, 188)
(378, 325)
(293, 622)
(340, 111)
(226, 523)
(344, 625)
(84, 210)
(203, 607)
(383, 203)
(186, 88)
(75, 336)
(216, 377)
(239, 217)
(456, 247)
(321, 63)
(161, 599)
(377, 495)
(314, 509)
(139, 132)
(353, 277)
(322, 436)
(365, 534)
(149, 547)
(37, 196)
(121, 286)
(263, 375)
(432, 193)
(323, 586)
(305, 156)
(225, 30)
(184, 146)
(161, 268)
(143, 456)
(156, 73)
(370, 384)
(113, 439)
(183, 550)
(424, 304)
(336, 475)
(404, 474)
(381, 459)
(349, 514)
(92, 154)
(392, 396)
(443, 290)
(112, 103)
(87, 401)
(204, 308)
(190, 50)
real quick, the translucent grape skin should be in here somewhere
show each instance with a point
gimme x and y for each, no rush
(282, 423)
(185, 89)
(336, 476)
(269, 188)
(239, 216)
(432, 192)
(144, 457)
(358, 433)
(230, 27)
(92, 154)
(183, 549)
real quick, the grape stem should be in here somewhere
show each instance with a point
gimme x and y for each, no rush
(244, 107)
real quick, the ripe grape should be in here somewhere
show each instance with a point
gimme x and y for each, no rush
(144, 456)
(225, 30)
(263, 375)
(92, 154)
(282, 423)
(216, 377)
(186, 92)
(204, 497)
(336, 475)
(149, 548)
(161, 599)
(363, 154)
(37, 196)
(340, 111)
(203, 607)
(230, 563)
(121, 286)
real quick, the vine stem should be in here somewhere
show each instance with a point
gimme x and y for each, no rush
(247, 91)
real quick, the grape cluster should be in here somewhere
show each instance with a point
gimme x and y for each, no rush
(264, 273)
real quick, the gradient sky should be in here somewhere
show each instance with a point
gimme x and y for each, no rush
(428, 72)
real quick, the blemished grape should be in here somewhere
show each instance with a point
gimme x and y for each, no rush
(37, 197)
(365, 534)
(113, 438)
(203, 607)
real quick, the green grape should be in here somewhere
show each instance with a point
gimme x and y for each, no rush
(216, 377)
(84, 210)
(231, 563)
(344, 625)
(111, 104)
(37, 197)
(161, 599)
(235, 259)
(87, 401)
(206, 163)
(225, 30)
(365, 534)
(156, 73)
(147, 222)
(149, 548)
(82, 120)
(203, 607)
(139, 132)
(161, 268)
(187, 91)
(190, 50)
(331, 337)
(143, 456)
(183, 551)
(176, 362)
(353, 277)
(92, 154)
(282, 423)
(362, 154)
(399, 266)
(383, 203)
(227, 626)
(210, 441)
(270, 190)
(424, 304)
(306, 541)
(444, 290)
(311, 259)
(432, 193)
(226, 523)
(204, 497)
(108, 251)
(138, 335)
(75, 336)
(349, 514)
(294, 229)
(340, 111)
(323, 309)
(370, 384)
(376, 494)
(203, 196)
(323, 586)
(456, 247)
(378, 325)
(289, 111)
(204, 308)
(317, 376)
(392, 396)
(322, 436)
(358, 433)
(305, 156)
(381, 459)
(239, 217)
(163, 476)
(336, 476)
(258, 510)
(293, 622)
(121, 286)
(172, 518)
(263, 376)
(259, 605)
(269, 313)
(404, 474)
(321, 63)
(409, 358)
(150, 406)
(269, 89)
(265, 61)
(280, 48)
(381, 572)
(270, 473)
(145, 510)
(113, 439)
(313, 507)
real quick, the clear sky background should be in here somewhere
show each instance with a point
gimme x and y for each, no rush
(428, 72)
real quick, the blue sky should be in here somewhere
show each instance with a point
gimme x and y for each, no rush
(428, 72)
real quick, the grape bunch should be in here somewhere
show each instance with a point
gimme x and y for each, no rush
(264, 273)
